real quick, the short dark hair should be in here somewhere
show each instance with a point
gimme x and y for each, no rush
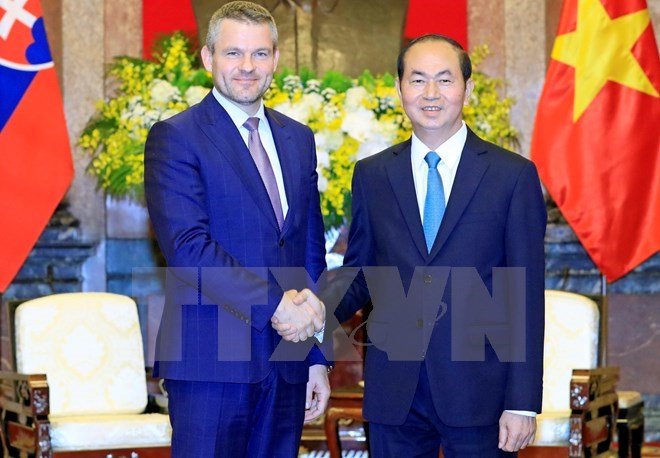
(463, 57)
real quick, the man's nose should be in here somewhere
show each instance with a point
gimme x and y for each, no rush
(247, 64)
(431, 90)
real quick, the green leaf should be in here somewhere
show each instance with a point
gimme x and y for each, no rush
(337, 81)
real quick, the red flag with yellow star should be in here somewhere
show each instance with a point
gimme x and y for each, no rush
(596, 136)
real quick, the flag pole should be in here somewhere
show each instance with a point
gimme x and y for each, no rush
(604, 315)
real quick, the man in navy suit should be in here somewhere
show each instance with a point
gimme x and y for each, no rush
(440, 208)
(231, 189)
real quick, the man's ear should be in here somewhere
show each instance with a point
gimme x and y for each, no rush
(469, 87)
(276, 57)
(207, 58)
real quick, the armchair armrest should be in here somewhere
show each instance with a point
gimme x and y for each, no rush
(24, 407)
(156, 394)
(594, 405)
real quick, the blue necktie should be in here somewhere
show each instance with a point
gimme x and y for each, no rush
(434, 205)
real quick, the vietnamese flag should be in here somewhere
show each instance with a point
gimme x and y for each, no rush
(35, 156)
(596, 136)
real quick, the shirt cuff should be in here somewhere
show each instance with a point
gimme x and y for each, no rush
(526, 413)
(319, 335)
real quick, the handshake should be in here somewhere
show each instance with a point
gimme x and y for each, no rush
(299, 315)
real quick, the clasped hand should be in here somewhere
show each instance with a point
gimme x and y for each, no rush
(299, 315)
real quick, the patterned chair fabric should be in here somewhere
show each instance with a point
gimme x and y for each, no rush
(571, 341)
(90, 347)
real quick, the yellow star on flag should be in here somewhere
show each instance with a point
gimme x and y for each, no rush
(600, 50)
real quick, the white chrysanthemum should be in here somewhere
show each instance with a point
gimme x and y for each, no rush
(359, 124)
(484, 126)
(331, 112)
(195, 94)
(292, 83)
(323, 182)
(328, 140)
(297, 111)
(150, 117)
(328, 93)
(355, 98)
(388, 129)
(312, 85)
(375, 144)
(168, 114)
(135, 104)
(163, 92)
(312, 102)
(322, 157)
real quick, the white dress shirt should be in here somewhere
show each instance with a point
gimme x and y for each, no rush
(450, 155)
(239, 117)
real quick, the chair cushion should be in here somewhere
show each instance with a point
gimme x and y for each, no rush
(553, 428)
(628, 399)
(89, 346)
(89, 432)
(571, 342)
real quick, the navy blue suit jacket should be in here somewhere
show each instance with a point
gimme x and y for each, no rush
(495, 217)
(214, 223)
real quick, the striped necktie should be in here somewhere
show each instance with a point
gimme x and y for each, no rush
(265, 168)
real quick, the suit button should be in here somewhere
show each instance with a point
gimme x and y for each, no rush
(420, 323)
(428, 279)
(281, 242)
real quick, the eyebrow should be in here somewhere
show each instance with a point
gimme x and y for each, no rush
(440, 73)
(238, 48)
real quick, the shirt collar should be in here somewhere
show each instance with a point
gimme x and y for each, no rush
(237, 115)
(450, 151)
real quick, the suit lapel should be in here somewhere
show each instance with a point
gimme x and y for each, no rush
(468, 176)
(220, 129)
(399, 172)
(286, 151)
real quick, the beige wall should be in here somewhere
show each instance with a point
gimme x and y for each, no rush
(356, 35)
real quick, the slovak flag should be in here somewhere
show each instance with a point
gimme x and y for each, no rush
(36, 167)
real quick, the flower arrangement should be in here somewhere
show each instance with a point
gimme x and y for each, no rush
(351, 118)
(147, 91)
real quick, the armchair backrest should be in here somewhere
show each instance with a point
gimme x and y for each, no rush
(89, 345)
(571, 342)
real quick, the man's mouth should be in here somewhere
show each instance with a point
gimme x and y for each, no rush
(431, 109)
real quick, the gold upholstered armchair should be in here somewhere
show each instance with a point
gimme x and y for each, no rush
(580, 403)
(80, 387)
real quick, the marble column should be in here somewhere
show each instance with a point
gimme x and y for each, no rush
(82, 76)
(85, 36)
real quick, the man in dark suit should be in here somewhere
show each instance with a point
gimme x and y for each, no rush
(231, 189)
(446, 204)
